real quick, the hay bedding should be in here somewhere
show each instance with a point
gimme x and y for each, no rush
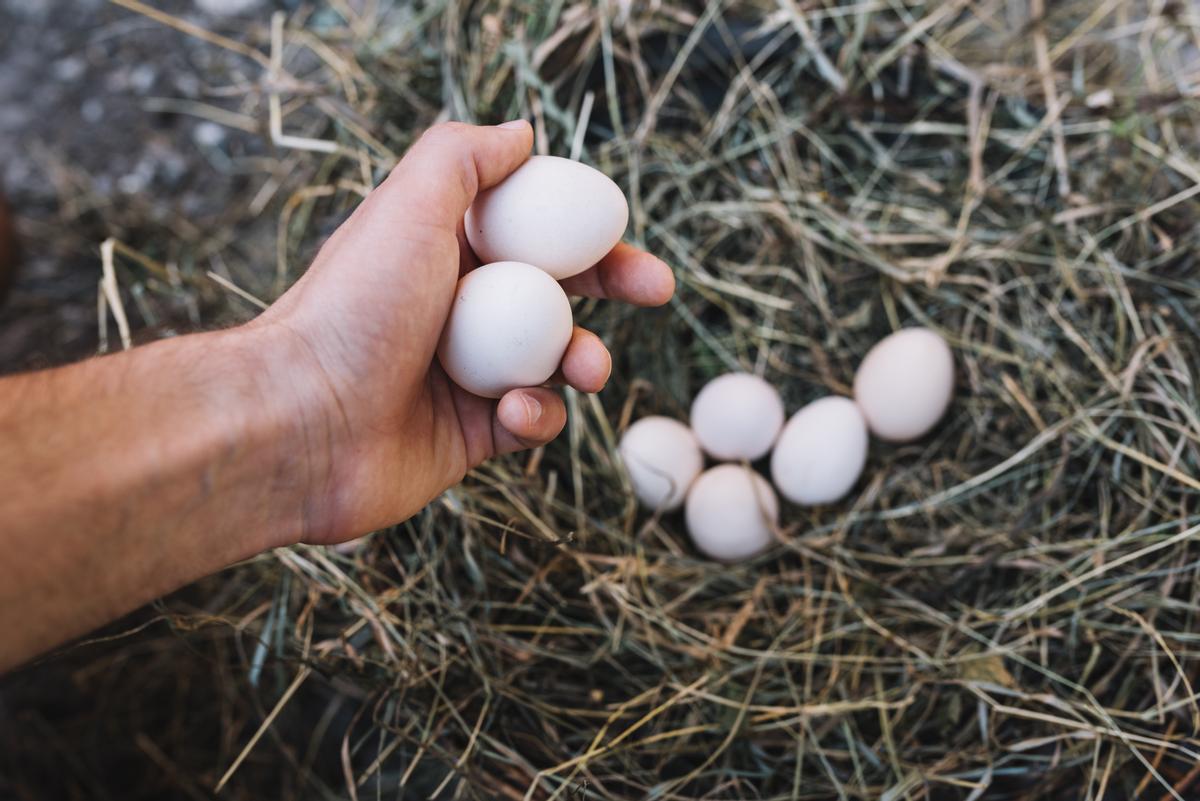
(1005, 609)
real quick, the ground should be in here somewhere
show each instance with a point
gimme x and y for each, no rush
(95, 151)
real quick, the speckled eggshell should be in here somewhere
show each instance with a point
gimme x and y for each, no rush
(737, 416)
(554, 213)
(905, 383)
(731, 513)
(509, 326)
(821, 452)
(662, 458)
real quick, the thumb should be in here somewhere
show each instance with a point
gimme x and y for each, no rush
(400, 246)
(450, 164)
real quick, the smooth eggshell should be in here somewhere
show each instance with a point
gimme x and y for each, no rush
(509, 326)
(554, 213)
(662, 458)
(905, 383)
(731, 513)
(821, 452)
(737, 416)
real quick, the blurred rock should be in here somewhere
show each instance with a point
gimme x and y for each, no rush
(227, 8)
(208, 134)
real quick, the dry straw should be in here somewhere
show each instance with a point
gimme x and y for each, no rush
(1006, 609)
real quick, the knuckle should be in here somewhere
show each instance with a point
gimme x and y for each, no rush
(468, 174)
(445, 132)
(451, 144)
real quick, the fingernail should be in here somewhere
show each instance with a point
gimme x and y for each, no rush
(513, 124)
(533, 409)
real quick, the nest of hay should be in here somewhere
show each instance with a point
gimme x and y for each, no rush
(1005, 609)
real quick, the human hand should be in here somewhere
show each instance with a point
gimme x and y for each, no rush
(352, 344)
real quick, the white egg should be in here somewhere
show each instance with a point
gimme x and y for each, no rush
(821, 452)
(905, 383)
(737, 416)
(508, 327)
(662, 458)
(731, 513)
(554, 213)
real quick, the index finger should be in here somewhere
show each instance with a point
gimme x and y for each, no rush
(626, 274)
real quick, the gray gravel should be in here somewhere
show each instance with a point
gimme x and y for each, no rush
(93, 145)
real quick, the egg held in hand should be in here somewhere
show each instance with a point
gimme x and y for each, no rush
(662, 458)
(821, 452)
(556, 214)
(731, 513)
(905, 384)
(737, 416)
(508, 327)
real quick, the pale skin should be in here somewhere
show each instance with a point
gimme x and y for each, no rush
(127, 476)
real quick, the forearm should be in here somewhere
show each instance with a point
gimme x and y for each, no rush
(132, 474)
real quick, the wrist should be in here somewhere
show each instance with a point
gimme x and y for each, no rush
(295, 418)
